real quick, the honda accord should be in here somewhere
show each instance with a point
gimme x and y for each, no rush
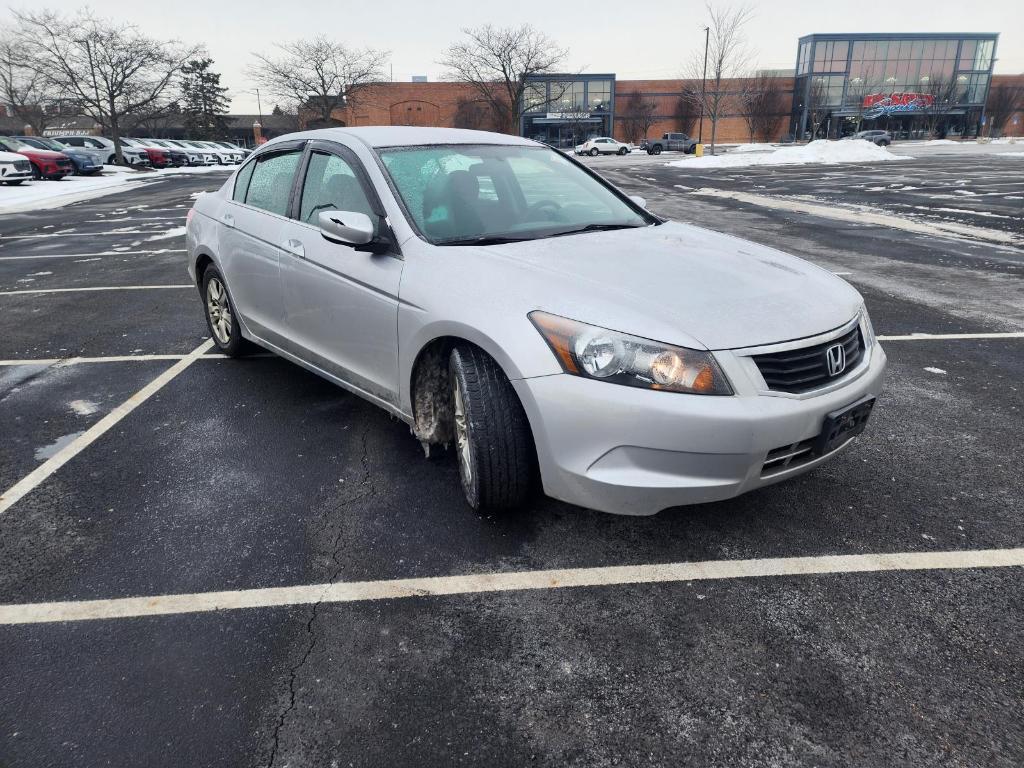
(500, 297)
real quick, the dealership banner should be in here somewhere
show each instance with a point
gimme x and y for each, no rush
(877, 104)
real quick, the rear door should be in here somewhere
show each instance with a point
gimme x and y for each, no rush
(341, 304)
(251, 236)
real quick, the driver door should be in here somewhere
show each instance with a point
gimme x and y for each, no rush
(340, 302)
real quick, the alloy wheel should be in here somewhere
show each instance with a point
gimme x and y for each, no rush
(219, 310)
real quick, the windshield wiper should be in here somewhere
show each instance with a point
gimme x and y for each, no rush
(487, 240)
(597, 228)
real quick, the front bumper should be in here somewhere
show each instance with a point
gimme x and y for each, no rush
(9, 173)
(635, 451)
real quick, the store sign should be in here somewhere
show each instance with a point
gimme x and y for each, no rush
(878, 104)
(568, 115)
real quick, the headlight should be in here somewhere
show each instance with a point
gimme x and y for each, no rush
(598, 353)
(867, 329)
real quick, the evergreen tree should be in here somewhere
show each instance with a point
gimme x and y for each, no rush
(204, 101)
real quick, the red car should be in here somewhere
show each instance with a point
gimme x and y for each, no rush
(158, 158)
(45, 163)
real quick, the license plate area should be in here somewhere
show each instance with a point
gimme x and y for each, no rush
(839, 426)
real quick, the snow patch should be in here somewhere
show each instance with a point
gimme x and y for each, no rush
(172, 232)
(83, 407)
(934, 370)
(822, 152)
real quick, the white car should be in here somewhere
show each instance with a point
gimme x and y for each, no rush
(132, 155)
(602, 145)
(14, 168)
(499, 297)
(209, 156)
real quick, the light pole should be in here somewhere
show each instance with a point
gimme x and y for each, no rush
(703, 85)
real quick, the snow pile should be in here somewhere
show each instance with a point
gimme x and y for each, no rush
(756, 147)
(821, 152)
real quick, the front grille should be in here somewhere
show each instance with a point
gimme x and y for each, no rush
(806, 368)
(22, 165)
(64, 164)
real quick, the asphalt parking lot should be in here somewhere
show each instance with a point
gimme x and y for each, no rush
(869, 613)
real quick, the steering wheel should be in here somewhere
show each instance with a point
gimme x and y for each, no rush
(552, 208)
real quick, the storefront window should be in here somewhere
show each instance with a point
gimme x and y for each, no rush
(535, 96)
(599, 95)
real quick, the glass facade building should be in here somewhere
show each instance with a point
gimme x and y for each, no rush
(910, 84)
(566, 110)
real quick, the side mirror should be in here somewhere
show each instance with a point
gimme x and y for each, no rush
(348, 227)
(641, 201)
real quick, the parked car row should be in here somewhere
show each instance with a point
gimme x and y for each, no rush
(55, 158)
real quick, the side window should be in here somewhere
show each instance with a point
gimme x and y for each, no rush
(331, 184)
(74, 142)
(270, 185)
(242, 182)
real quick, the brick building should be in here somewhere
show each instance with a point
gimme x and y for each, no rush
(451, 104)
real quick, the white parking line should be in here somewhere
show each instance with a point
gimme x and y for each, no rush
(59, 459)
(98, 288)
(76, 234)
(361, 591)
(89, 255)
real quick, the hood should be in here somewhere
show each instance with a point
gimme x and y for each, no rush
(42, 154)
(680, 284)
(10, 157)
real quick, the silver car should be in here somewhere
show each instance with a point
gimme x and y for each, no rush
(497, 295)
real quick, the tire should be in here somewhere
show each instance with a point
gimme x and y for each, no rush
(623, 150)
(36, 174)
(594, 152)
(656, 149)
(14, 183)
(227, 335)
(493, 443)
(112, 160)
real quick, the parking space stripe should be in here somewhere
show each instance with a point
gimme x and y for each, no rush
(89, 255)
(363, 591)
(83, 441)
(97, 288)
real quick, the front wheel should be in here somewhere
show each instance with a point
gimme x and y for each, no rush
(623, 150)
(594, 152)
(14, 183)
(493, 443)
(656, 150)
(221, 318)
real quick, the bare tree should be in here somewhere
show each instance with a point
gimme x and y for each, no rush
(860, 87)
(817, 104)
(320, 74)
(941, 94)
(763, 105)
(637, 116)
(1003, 102)
(474, 114)
(727, 54)
(687, 109)
(112, 70)
(24, 87)
(498, 61)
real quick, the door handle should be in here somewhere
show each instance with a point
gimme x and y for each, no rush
(294, 247)
(228, 219)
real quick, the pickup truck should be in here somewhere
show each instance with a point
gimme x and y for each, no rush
(669, 142)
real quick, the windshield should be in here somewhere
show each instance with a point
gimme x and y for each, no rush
(461, 194)
(13, 145)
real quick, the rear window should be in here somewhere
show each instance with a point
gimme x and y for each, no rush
(270, 183)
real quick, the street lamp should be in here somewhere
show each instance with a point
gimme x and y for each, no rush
(703, 84)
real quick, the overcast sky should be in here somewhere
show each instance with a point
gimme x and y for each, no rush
(601, 36)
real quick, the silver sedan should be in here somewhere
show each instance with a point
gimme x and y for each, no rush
(502, 298)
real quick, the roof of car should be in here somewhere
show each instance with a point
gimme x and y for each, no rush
(406, 136)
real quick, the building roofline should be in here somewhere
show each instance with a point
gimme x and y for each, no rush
(899, 36)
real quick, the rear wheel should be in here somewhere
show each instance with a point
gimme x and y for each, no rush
(221, 318)
(493, 443)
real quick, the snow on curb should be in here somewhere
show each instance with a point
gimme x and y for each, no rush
(821, 151)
